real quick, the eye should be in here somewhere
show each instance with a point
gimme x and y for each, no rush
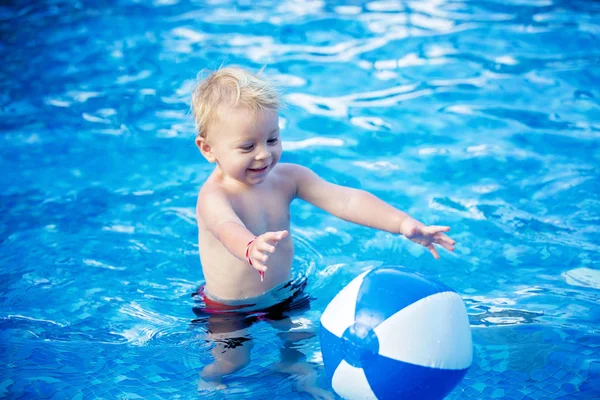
(247, 147)
(273, 141)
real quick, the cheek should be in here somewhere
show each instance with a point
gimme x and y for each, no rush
(236, 161)
(276, 156)
(245, 160)
(277, 151)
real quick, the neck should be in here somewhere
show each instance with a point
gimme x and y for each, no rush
(226, 180)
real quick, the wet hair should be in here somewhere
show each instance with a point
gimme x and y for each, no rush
(227, 88)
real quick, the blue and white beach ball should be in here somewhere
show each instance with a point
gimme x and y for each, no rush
(394, 334)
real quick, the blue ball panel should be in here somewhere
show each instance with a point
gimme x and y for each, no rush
(387, 290)
(331, 349)
(392, 379)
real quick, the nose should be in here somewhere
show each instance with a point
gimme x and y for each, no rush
(263, 153)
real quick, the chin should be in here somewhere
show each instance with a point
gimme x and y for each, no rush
(257, 181)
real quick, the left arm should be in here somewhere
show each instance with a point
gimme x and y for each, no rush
(363, 208)
(353, 205)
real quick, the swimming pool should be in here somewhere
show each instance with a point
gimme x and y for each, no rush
(483, 115)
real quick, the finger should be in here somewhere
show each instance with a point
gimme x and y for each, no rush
(440, 238)
(433, 251)
(257, 255)
(433, 229)
(275, 237)
(266, 247)
(259, 266)
(444, 241)
(269, 236)
(280, 235)
(447, 246)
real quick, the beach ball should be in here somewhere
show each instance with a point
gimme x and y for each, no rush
(395, 334)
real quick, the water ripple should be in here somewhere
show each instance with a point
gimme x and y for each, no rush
(504, 317)
(483, 115)
(584, 277)
(339, 106)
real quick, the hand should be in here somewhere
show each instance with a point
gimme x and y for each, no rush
(261, 246)
(427, 235)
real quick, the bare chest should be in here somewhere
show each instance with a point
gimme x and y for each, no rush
(263, 211)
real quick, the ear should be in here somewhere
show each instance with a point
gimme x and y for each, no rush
(205, 149)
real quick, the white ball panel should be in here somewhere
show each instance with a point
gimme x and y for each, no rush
(351, 383)
(339, 314)
(432, 332)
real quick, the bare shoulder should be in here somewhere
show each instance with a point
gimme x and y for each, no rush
(301, 180)
(209, 188)
(210, 195)
(299, 174)
(292, 171)
(287, 177)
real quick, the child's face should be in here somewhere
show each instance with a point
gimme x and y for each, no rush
(245, 144)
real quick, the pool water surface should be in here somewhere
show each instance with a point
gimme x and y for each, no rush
(480, 115)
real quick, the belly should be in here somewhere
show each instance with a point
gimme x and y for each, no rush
(228, 277)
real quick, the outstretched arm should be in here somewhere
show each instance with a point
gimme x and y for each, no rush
(364, 208)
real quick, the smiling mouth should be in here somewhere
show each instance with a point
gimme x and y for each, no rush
(258, 169)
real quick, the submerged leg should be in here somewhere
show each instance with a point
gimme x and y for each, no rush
(231, 350)
(293, 361)
(230, 355)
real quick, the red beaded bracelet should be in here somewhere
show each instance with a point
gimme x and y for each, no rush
(261, 273)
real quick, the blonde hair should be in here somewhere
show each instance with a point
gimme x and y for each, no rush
(230, 87)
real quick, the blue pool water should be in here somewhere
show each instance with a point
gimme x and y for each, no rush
(483, 115)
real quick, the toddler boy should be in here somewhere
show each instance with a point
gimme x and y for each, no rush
(243, 208)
